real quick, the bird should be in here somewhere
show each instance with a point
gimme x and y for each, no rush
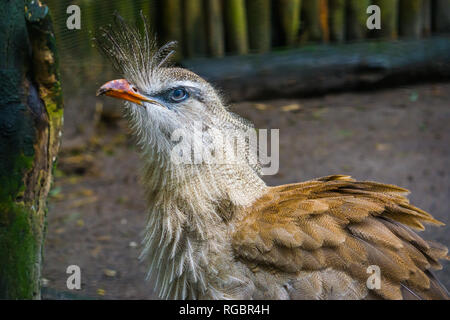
(216, 230)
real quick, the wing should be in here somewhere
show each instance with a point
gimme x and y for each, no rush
(342, 226)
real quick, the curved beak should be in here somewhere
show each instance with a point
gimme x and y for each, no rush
(121, 89)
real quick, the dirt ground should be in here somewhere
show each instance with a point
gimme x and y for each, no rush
(97, 210)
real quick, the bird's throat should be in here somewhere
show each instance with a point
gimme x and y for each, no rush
(191, 211)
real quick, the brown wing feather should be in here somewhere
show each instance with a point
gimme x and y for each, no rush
(338, 223)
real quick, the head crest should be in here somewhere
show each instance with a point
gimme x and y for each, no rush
(134, 53)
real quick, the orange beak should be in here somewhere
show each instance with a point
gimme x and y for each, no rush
(121, 89)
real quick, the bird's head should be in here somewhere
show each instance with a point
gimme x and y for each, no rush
(163, 103)
(166, 99)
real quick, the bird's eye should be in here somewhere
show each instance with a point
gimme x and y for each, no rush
(178, 95)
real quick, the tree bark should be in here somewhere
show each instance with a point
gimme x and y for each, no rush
(30, 126)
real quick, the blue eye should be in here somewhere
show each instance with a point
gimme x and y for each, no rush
(178, 95)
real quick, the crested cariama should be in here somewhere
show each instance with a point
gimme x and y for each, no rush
(215, 230)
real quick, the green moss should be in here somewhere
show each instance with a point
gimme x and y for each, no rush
(18, 251)
(17, 230)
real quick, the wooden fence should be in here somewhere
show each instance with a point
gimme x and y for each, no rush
(206, 28)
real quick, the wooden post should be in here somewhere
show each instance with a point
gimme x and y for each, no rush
(389, 13)
(148, 9)
(236, 26)
(214, 21)
(356, 19)
(259, 25)
(426, 17)
(311, 17)
(171, 23)
(88, 20)
(194, 28)
(324, 20)
(337, 20)
(410, 18)
(30, 126)
(442, 16)
(125, 9)
(290, 19)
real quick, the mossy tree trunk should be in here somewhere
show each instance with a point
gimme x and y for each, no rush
(30, 127)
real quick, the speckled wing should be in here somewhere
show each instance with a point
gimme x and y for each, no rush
(322, 235)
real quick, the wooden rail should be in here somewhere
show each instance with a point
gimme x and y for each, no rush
(320, 69)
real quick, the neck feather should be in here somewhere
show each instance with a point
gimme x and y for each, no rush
(192, 209)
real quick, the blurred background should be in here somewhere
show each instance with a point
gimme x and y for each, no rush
(373, 104)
